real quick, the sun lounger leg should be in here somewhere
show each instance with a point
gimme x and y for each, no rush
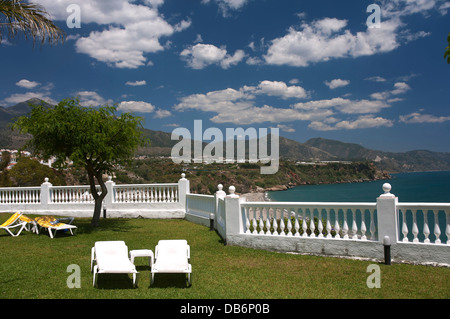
(94, 281)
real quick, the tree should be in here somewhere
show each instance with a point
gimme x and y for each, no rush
(93, 138)
(447, 53)
(31, 19)
(29, 172)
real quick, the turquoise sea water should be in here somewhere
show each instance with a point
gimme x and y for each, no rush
(408, 187)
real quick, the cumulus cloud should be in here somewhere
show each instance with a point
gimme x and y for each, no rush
(362, 122)
(136, 106)
(92, 98)
(27, 84)
(21, 97)
(136, 83)
(336, 83)
(202, 55)
(133, 29)
(226, 6)
(328, 38)
(399, 88)
(278, 88)
(418, 117)
(321, 114)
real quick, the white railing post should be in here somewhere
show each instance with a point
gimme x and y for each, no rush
(387, 215)
(183, 190)
(233, 218)
(45, 193)
(109, 198)
(219, 194)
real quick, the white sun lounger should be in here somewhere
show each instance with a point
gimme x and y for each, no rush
(172, 256)
(111, 257)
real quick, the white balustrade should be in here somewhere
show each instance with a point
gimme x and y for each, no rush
(420, 220)
(20, 195)
(321, 220)
(71, 194)
(146, 193)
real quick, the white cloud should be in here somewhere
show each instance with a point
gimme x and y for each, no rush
(225, 6)
(280, 89)
(159, 114)
(336, 83)
(202, 55)
(417, 117)
(91, 98)
(345, 106)
(286, 128)
(376, 79)
(134, 29)
(331, 38)
(327, 39)
(362, 122)
(240, 107)
(399, 88)
(22, 97)
(136, 106)
(136, 83)
(27, 84)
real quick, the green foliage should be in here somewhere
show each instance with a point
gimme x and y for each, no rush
(29, 172)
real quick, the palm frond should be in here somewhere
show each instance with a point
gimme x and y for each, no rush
(18, 16)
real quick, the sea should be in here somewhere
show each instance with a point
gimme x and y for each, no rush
(408, 187)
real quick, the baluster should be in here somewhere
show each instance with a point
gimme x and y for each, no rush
(282, 226)
(372, 224)
(296, 224)
(247, 220)
(447, 227)
(354, 226)
(426, 229)
(328, 212)
(404, 227)
(289, 223)
(304, 224)
(255, 225)
(312, 227)
(319, 224)
(437, 230)
(345, 226)
(415, 230)
(267, 215)
(363, 225)
(275, 223)
(261, 221)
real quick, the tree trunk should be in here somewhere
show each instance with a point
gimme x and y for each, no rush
(97, 197)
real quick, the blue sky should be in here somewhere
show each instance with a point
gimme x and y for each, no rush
(310, 68)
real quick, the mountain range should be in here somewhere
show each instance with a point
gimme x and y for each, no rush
(315, 149)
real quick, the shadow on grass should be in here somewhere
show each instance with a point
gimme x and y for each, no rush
(115, 281)
(113, 224)
(170, 281)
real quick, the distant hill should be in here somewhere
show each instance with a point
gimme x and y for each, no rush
(417, 160)
(316, 149)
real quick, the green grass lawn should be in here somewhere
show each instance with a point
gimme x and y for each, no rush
(35, 267)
